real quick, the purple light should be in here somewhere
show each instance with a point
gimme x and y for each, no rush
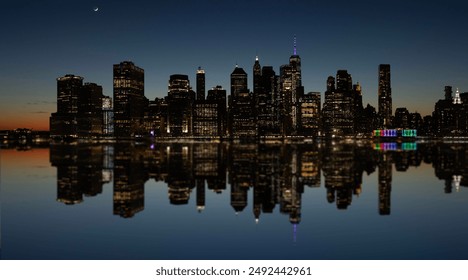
(152, 147)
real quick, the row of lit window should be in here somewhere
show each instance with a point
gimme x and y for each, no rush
(395, 133)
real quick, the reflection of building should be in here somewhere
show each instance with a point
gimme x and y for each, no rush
(274, 174)
(79, 171)
(129, 180)
(385, 184)
(179, 178)
(342, 174)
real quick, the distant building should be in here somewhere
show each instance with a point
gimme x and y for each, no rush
(200, 84)
(129, 99)
(108, 117)
(385, 95)
(402, 118)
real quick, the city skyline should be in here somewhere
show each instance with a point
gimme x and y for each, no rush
(422, 43)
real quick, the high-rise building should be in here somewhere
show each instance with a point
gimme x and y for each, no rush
(238, 81)
(68, 91)
(291, 91)
(339, 108)
(90, 113)
(63, 123)
(180, 100)
(218, 95)
(385, 95)
(310, 114)
(200, 84)
(257, 77)
(402, 118)
(108, 116)
(129, 99)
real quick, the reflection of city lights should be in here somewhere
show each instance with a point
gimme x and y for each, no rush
(456, 180)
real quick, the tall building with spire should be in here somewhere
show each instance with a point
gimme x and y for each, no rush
(385, 95)
(291, 92)
(257, 77)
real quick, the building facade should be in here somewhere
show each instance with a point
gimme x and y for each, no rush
(129, 99)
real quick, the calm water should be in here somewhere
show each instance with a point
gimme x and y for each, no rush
(218, 201)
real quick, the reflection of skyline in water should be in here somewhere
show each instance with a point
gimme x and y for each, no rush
(277, 175)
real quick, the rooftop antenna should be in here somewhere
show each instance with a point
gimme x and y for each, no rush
(295, 45)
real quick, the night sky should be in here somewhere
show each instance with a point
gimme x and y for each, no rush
(426, 43)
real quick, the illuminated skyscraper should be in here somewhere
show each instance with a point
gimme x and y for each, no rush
(108, 116)
(291, 91)
(200, 84)
(129, 99)
(385, 95)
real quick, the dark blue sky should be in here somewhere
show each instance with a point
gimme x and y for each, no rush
(426, 44)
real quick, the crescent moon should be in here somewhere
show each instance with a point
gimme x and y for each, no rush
(96, 9)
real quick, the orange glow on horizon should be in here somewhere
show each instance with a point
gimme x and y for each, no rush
(36, 122)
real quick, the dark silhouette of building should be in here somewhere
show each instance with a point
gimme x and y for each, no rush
(90, 115)
(64, 122)
(385, 95)
(200, 84)
(180, 100)
(129, 100)
(156, 117)
(402, 118)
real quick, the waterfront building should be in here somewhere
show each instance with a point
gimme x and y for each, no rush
(129, 99)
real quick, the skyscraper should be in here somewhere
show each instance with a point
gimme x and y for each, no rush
(257, 77)
(68, 91)
(238, 81)
(129, 99)
(180, 100)
(63, 123)
(385, 95)
(291, 92)
(90, 113)
(200, 84)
